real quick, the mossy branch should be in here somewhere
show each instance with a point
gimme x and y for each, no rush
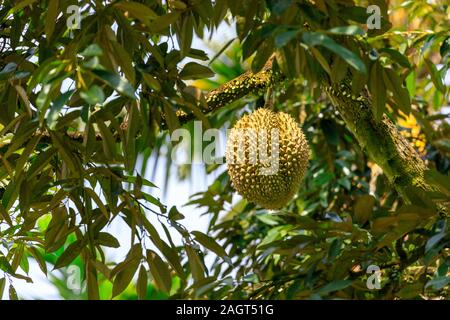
(239, 87)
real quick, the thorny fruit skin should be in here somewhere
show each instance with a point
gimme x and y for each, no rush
(275, 190)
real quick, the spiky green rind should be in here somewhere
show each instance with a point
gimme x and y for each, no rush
(269, 191)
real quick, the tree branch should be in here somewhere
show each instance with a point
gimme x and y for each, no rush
(246, 83)
(381, 140)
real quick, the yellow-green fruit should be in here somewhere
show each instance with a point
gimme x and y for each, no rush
(267, 155)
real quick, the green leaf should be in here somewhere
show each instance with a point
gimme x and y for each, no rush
(2, 287)
(163, 22)
(108, 141)
(116, 82)
(94, 95)
(313, 39)
(108, 240)
(40, 162)
(92, 50)
(125, 270)
(399, 93)
(5, 265)
(168, 252)
(39, 259)
(334, 286)
(124, 60)
(170, 116)
(12, 293)
(434, 240)
(185, 34)
(141, 285)
(160, 271)
(396, 56)
(445, 47)
(321, 59)
(64, 151)
(347, 30)
(339, 70)
(278, 7)
(335, 249)
(195, 263)
(438, 283)
(439, 180)
(151, 82)
(281, 39)
(212, 245)
(174, 214)
(193, 70)
(50, 18)
(5, 215)
(69, 254)
(22, 5)
(56, 107)
(137, 10)
(7, 70)
(363, 208)
(91, 280)
(378, 90)
(124, 277)
(435, 75)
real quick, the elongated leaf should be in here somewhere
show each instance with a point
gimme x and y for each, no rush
(141, 285)
(116, 82)
(195, 263)
(5, 216)
(396, 56)
(193, 70)
(163, 22)
(2, 287)
(334, 286)
(39, 259)
(106, 239)
(399, 93)
(364, 207)
(137, 10)
(94, 95)
(347, 30)
(56, 107)
(22, 4)
(71, 252)
(435, 75)
(212, 245)
(124, 277)
(378, 90)
(52, 14)
(313, 39)
(108, 142)
(12, 293)
(160, 271)
(92, 283)
(438, 282)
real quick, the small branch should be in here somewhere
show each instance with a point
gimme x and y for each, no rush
(239, 87)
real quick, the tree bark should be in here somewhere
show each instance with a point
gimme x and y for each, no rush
(381, 140)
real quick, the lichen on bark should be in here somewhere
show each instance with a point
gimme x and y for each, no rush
(380, 139)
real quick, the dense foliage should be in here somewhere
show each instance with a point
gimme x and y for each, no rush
(79, 106)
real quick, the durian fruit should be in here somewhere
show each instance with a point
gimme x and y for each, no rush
(267, 155)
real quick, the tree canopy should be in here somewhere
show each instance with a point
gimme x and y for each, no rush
(89, 87)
